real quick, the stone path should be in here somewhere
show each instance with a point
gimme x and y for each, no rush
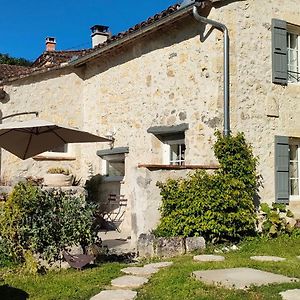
(240, 278)
(115, 295)
(290, 294)
(209, 257)
(267, 258)
(124, 284)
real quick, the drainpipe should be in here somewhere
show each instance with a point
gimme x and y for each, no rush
(224, 29)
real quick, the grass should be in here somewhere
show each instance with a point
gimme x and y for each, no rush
(173, 283)
(176, 283)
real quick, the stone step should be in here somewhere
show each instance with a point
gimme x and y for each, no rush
(290, 294)
(159, 265)
(140, 271)
(115, 295)
(129, 282)
(267, 258)
(209, 257)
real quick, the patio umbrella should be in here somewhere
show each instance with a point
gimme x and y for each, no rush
(29, 138)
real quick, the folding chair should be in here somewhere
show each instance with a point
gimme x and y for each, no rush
(115, 210)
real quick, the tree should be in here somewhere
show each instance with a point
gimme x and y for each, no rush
(7, 59)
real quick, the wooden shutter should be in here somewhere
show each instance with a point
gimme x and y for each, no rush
(279, 52)
(282, 193)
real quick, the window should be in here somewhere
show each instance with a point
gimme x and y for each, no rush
(285, 52)
(174, 149)
(60, 149)
(113, 162)
(173, 142)
(294, 167)
(293, 41)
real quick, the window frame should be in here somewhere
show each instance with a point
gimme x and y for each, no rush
(293, 30)
(294, 141)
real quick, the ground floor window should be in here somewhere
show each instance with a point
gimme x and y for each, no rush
(173, 142)
(113, 162)
(294, 167)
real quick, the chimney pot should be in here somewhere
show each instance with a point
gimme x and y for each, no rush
(100, 34)
(50, 43)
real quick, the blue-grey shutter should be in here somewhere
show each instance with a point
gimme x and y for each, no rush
(282, 193)
(279, 52)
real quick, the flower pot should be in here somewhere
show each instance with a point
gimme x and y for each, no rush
(58, 180)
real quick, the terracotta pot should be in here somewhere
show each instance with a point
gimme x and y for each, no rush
(58, 180)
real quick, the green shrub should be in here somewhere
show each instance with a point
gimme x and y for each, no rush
(44, 222)
(274, 221)
(217, 206)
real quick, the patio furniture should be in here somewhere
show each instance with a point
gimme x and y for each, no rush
(115, 208)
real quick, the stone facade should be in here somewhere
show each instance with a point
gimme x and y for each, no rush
(167, 77)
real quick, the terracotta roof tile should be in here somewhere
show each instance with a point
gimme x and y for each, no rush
(7, 71)
(51, 59)
(55, 58)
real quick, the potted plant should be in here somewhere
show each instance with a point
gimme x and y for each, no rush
(58, 177)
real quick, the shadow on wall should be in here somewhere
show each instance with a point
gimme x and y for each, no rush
(10, 293)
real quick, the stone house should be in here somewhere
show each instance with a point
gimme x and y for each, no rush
(157, 90)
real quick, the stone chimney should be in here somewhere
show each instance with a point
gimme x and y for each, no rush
(50, 43)
(99, 34)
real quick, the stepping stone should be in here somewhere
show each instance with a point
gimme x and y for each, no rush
(129, 281)
(267, 258)
(290, 294)
(209, 257)
(140, 271)
(240, 278)
(115, 295)
(159, 265)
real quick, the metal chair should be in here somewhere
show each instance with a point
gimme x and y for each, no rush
(114, 210)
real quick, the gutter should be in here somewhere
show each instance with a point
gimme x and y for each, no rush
(180, 13)
(226, 79)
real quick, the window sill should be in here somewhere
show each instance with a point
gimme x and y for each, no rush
(154, 167)
(113, 179)
(54, 157)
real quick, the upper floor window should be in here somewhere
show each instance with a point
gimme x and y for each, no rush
(285, 52)
(293, 46)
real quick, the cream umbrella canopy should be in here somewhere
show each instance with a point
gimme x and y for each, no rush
(29, 138)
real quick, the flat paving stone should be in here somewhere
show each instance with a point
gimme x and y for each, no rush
(115, 295)
(290, 294)
(209, 257)
(140, 271)
(240, 278)
(129, 281)
(267, 258)
(159, 265)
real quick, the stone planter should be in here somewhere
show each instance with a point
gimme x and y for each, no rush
(58, 180)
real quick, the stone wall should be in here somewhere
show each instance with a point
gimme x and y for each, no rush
(168, 78)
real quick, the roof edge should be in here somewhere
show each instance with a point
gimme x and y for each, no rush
(177, 14)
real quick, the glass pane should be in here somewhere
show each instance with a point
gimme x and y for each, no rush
(294, 152)
(60, 149)
(294, 187)
(174, 151)
(116, 168)
(294, 170)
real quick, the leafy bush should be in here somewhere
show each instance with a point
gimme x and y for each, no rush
(44, 222)
(58, 170)
(217, 206)
(274, 220)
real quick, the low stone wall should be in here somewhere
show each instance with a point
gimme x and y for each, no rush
(150, 246)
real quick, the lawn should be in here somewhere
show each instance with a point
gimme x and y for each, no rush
(172, 283)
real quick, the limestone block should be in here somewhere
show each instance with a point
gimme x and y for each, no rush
(194, 244)
(168, 247)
